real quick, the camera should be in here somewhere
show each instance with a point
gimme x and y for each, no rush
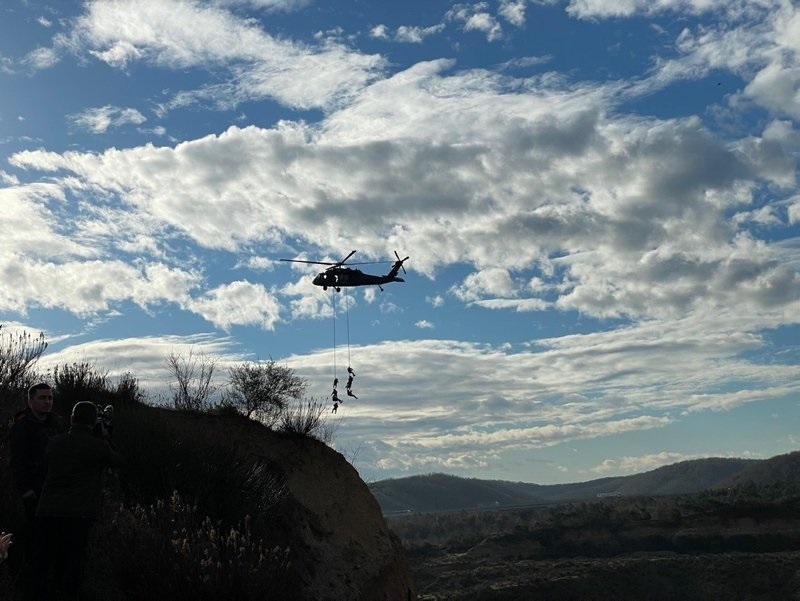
(104, 425)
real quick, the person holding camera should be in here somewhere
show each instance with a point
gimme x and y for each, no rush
(71, 501)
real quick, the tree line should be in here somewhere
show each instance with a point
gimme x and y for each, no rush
(267, 391)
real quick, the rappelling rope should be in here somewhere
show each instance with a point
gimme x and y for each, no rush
(333, 302)
(347, 313)
(349, 370)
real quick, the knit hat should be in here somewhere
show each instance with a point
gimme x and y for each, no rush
(84, 413)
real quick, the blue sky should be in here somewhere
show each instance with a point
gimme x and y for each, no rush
(598, 197)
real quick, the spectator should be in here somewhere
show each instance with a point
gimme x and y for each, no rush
(71, 501)
(28, 438)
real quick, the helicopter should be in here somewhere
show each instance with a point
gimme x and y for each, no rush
(337, 275)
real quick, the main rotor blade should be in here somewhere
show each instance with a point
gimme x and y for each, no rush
(352, 252)
(314, 262)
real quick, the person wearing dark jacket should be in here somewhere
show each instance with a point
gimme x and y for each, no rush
(71, 501)
(28, 438)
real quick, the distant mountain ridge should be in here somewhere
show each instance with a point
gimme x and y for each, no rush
(442, 492)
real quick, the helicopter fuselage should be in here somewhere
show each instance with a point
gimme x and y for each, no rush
(339, 277)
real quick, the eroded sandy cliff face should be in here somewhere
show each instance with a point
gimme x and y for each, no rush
(341, 548)
(337, 532)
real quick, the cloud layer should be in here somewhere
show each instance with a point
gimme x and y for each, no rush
(675, 231)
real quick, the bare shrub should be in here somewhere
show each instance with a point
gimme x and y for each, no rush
(264, 389)
(19, 353)
(169, 548)
(81, 382)
(128, 390)
(192, 386)
(306, 417)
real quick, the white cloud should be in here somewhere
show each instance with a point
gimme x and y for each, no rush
(756, 41)
(370, 295)
(794, 212)
(119, 54)
(414, 34)
(763, 216)
(181, 35)
(565, 125)
(8, 178)
(145, 357)
(269, 5)
(437, 301)
(311, 301)
(380, 32)
(646, 235)
(99, 120)
(519, 305)
(6, 65)
(513, 11)
(27, 220)
(644, 463)
(524, 62)
(775, 87)
(475, 18)
(539, 436)
(238, 303)
(258, 264)
(424, 324)
(587, 9)
(93, 286)
(158, 130)
(494, 281)
(41, 58)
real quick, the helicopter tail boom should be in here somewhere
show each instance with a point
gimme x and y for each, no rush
(396, 268)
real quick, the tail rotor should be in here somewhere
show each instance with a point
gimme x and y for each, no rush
(400, 261)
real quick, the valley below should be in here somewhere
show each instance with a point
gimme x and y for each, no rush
(740, 543)
(634, 577)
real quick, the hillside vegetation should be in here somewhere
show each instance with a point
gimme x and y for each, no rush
(208, 503)
(735, 543)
